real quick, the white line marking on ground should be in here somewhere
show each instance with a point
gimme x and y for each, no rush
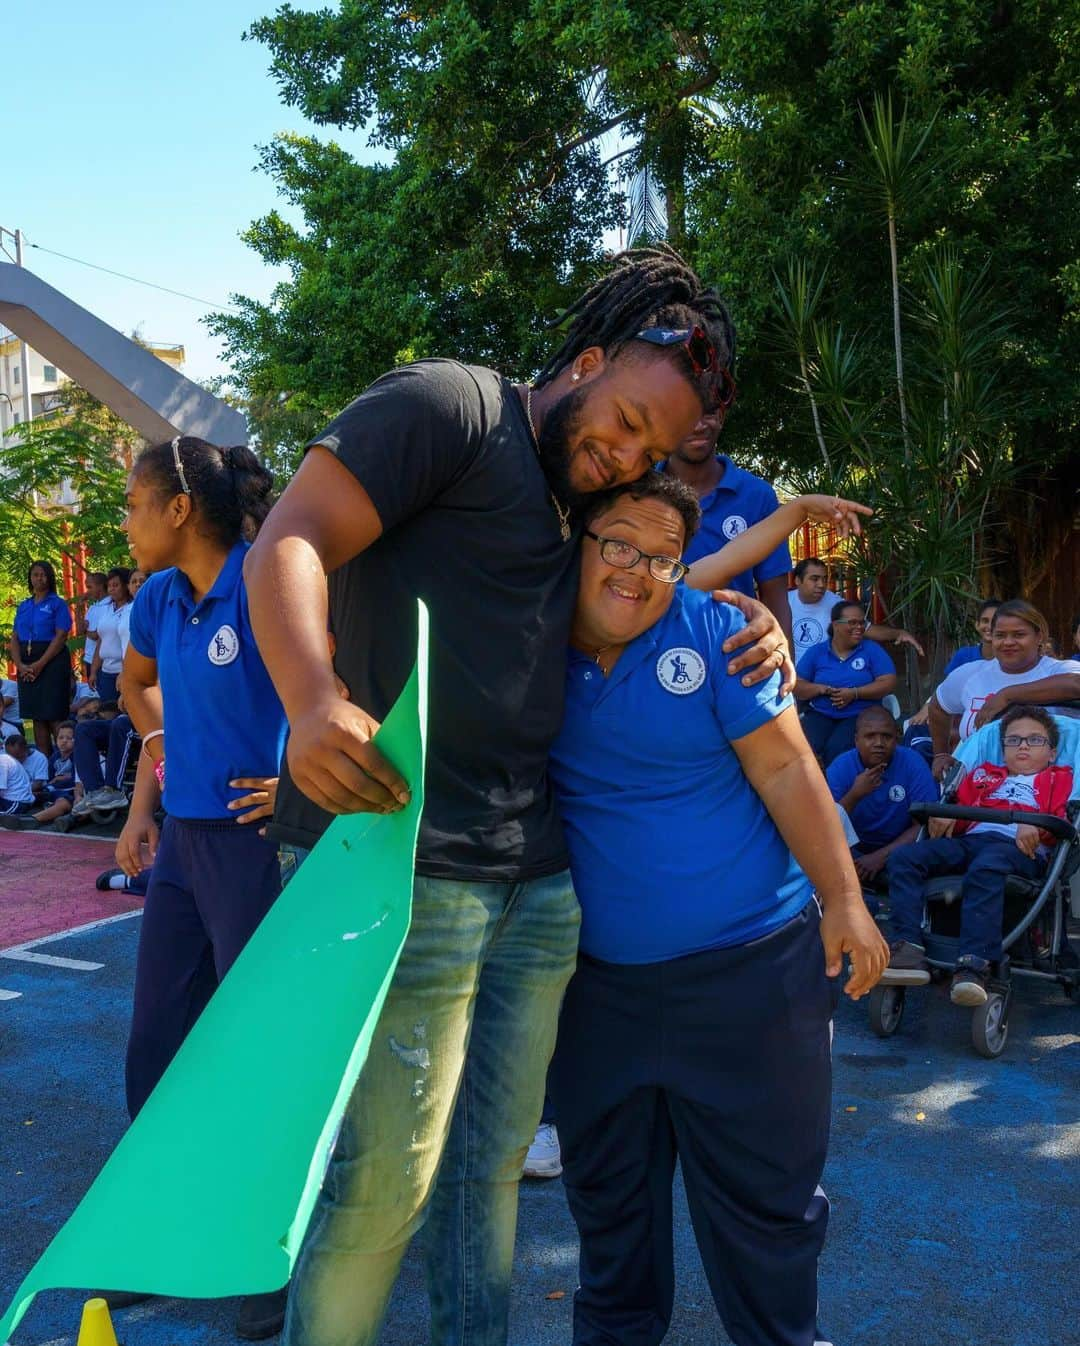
(10, 995)
(75, 964)
(75, 930)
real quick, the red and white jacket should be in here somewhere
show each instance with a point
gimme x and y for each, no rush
(1053, 789)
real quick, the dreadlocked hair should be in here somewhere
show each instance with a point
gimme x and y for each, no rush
(646, 287)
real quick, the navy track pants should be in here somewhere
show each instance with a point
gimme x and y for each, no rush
(211, 884)
(722, 1061)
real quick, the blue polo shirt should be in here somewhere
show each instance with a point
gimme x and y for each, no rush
(966, 654)
(223, 718)
(740, 500)
(883, 815)
(866, 662)
(39, 621)
(671, 850)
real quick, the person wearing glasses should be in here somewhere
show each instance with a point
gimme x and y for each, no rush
(839, 677)
(985, 853)
(697, 1025)
(450, 483)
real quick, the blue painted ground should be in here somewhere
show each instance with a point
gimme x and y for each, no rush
(959, 1228)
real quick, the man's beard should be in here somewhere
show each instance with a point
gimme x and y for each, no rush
(560, 424)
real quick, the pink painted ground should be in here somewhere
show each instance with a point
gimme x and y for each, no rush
(47, 885)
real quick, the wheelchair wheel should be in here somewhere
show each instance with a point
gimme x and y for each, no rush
(990, 1026)
(885, 1005)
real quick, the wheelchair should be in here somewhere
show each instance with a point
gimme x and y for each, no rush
(1035, 939)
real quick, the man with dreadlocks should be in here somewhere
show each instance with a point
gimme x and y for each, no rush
(449, 483)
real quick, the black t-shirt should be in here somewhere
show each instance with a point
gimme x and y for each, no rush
(444, 452)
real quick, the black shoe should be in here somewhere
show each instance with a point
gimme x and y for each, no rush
(103, 882)
(907, 965)
(261, 1316)
(969, 988)
(120, 1299)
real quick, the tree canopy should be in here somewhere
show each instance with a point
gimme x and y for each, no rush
(517, 129)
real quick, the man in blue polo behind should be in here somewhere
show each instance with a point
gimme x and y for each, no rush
(696, 1026)
(732, 500)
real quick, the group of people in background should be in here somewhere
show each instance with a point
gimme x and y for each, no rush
(600, 721)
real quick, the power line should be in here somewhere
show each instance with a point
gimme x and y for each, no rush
(180, 294)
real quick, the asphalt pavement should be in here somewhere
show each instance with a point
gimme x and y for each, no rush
(954, 1180)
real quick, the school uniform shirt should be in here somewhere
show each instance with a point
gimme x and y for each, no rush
(110, 646)
(93, 616)
(671, 850)
(863, 665)
(10, 714)
(38, 622)
(123, 629)
(14, 782)
(223, 718)
(62, 774)
(444, 451)
(738, 501)
(964, 691)
(881, 816)
(809, 621)
(966, 654)
(36, 765)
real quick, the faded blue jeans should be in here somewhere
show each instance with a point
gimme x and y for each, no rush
(441, 1118)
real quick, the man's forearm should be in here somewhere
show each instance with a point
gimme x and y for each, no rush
(287, 599)
(940, 728)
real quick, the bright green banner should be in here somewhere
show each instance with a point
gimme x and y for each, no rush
(210, 1190)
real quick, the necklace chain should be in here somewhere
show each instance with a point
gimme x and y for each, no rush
(561, 510)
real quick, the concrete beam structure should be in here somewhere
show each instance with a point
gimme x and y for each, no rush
(141, 389)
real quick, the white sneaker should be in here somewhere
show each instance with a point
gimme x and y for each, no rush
(544, 1159)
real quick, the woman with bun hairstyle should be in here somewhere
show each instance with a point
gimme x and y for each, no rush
(199, 695)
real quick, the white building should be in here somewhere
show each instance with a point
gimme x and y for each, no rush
(46, 380)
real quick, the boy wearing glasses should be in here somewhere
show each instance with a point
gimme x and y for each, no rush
(986, 853)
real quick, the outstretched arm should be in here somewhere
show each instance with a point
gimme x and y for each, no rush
(751, 548)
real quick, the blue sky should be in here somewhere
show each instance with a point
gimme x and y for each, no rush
(130, 140)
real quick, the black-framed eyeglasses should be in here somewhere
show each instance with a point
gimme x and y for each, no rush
(1032, 740)
(702, 356)
(624, 556)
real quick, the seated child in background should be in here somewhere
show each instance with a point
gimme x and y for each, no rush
(59, 793)
(16, 796)
(986, 853)
(874, 783)
(34, 763)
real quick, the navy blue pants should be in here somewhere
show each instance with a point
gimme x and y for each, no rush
(211, 884)
(985, 859)
(91, 736)
(722, 1061)
(829, 737)
(106, 685)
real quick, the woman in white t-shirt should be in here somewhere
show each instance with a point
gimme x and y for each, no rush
(109, 655)
(1019, 671)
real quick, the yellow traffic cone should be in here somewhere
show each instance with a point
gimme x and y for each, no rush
(96, 1328)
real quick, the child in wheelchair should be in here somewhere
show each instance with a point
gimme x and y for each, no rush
(985, 852)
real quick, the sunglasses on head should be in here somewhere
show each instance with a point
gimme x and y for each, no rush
(700, 352)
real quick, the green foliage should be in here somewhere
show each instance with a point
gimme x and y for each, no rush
(872, 153)
(34, 469)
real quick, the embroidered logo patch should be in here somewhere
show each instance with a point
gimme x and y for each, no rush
(733, 525)
(897, 793)
(680, 670)
(858, 663)
(224, 646)
(809, 631)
